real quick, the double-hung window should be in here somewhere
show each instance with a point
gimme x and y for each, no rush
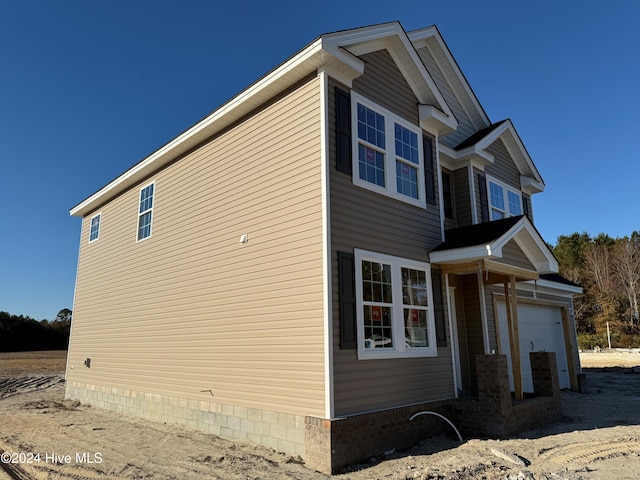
(94, 228)
(145, 211)
(504, 201)
(394, 307)
(387, 155)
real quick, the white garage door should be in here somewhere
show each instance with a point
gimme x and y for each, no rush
(540, 330)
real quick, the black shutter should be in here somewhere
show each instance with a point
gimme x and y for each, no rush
(484, 201)
(343, 131)
(438, 308)
(347, 300)
(429, 171)
(526, 207)
(446, 195)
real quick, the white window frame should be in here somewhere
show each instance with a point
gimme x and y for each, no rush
(400, 349)
(99, 217)
(390, 188)
(148, 210)
(505, 198)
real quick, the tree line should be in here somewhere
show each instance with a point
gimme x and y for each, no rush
(20, 333)
(608, 269)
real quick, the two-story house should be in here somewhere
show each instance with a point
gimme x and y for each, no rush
(324, 255)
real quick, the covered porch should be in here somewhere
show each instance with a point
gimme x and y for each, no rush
(490, 272)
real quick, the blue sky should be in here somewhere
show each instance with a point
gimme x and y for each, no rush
(89, 88)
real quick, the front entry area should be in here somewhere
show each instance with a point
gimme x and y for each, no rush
(540, 330)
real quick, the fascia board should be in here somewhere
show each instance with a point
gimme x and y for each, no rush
(542, 260)
(508, 235)
(469, 156)
(514, 145)
(493, 135)
(420, 38)
(425, 76)
(447, 156)
(393, 37)
(354, 40)
(559, 286)
(530, 185)
(516, 148)
(463, 254)
(480, 157)
(551, 288)
(435, 121)
(307, 60)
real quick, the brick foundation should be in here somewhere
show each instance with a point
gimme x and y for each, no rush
(334, 444)
(330, 445)
(495, 414)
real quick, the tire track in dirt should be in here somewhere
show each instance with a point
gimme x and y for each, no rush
(16, 386)
(15, 471)
(585, 453)
(51, 472)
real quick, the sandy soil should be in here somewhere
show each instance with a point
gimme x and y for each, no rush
(52, 438)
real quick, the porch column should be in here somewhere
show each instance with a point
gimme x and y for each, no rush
(511, 306)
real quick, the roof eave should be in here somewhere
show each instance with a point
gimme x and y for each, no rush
(523, 233)
(318, 55)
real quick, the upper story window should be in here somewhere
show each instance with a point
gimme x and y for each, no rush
(387, 153)
(394, 307)
(145, 211)
(503, 200)
(94, 228)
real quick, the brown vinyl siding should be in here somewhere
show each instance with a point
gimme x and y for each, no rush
(512, 255)
(503, 167)
(462, 200)
(451, 222)
(476, 189)
(383, 83)
(470, 298)
(363, 219)
(190, 308)
(530, 215)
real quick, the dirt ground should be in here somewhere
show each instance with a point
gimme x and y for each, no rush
(43, 436)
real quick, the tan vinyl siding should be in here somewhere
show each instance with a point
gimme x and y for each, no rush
(465, 127)
(363, 219)
(190, 308)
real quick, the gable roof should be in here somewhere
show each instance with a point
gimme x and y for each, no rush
(431, 38)
(479, 135)
(486, 240)
(505, 131)
(335, 53)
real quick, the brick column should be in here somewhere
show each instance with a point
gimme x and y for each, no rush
(318, 455)
(544, 370)
(494, 392)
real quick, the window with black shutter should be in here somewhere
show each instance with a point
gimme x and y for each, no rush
(343, 131)
(447, 201)
(429, 170)
(347, 300)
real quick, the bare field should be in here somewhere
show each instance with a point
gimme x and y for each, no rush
(48, 362)
(51, 438)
